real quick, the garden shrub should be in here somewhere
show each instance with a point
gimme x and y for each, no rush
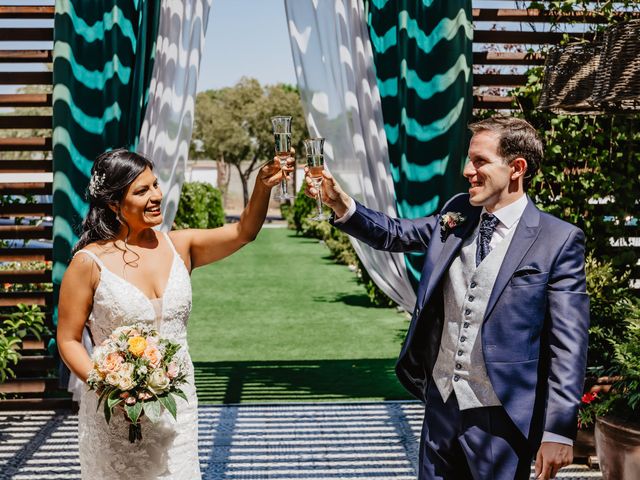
(26, 320)
(590, 177)
(200, 206)
(302, 208)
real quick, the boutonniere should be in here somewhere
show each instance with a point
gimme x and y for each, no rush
(448, 222)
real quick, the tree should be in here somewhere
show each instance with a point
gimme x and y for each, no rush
(234, 124)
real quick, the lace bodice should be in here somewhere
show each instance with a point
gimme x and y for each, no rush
(168, 449)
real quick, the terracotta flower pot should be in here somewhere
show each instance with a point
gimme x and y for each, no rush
(618, 448)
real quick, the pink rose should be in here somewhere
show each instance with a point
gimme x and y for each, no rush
(144, 396)
(173, 370)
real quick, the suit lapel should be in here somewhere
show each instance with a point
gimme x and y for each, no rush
(526, 233)
(449, 249)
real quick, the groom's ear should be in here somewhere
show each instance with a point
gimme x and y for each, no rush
(519, 166)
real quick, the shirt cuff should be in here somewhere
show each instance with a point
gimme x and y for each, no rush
(348, 215)
(554, 437)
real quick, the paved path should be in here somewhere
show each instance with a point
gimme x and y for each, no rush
(287, 442)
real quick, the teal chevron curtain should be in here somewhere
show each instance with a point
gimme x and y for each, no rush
(422, 52)
(103, 60)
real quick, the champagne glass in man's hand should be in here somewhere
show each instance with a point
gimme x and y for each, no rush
(315, 164)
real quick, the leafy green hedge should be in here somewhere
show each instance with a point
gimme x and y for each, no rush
(200, 207)
(590, 177)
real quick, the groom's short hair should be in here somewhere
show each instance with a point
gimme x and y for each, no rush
(516, 138)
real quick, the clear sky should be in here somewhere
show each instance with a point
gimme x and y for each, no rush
(246, 38)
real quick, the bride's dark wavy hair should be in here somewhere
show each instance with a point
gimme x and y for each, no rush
(111, 175)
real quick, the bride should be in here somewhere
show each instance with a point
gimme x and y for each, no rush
(123, 272)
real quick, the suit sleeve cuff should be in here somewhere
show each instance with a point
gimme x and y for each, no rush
(554, 437)
(344, 218)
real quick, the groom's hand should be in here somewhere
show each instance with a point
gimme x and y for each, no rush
(332, 195)
(552, 457)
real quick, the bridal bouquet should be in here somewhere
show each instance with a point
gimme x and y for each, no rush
(134, 370)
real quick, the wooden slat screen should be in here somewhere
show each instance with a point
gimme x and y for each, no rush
(26, 194)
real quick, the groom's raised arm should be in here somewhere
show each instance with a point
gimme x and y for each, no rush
(383, 232)
(376, 229)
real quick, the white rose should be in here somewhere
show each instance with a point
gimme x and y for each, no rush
(112, 378)
(125, 383)
(142, 370)
(158, 381)
(127, 369)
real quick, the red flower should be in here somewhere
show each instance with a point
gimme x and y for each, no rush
(589, 397)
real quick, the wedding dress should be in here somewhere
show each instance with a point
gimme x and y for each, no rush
(169, 448)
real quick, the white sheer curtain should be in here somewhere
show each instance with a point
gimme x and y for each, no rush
(168, 122)
(334, 66)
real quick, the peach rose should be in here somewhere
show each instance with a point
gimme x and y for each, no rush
(153, 355)
(137, 345)
(112, 362)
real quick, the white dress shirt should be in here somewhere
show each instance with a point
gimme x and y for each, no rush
(509, 217)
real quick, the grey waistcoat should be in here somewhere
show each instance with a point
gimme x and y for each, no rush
(460, 364)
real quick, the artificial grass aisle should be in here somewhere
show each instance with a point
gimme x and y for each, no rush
(279, 321)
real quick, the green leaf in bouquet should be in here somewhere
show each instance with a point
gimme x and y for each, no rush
(105, 393)
(134, 411)
(169, 403)
(107, 411)
(181, 394)
(114, 399)
(152, 409)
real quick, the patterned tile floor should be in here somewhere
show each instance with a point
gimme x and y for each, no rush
(287, 442)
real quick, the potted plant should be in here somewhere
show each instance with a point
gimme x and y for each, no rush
(616, 411)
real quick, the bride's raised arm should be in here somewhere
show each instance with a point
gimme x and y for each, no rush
(200, 247)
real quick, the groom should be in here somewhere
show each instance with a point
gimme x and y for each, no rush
(497, 344)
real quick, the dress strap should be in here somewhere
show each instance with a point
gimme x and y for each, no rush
(173, 248)
(93, 256)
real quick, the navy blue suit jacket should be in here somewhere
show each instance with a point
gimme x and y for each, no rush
(535, 329)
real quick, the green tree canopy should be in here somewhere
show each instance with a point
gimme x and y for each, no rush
(234, 124)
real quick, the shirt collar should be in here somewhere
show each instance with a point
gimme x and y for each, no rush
(510, 214)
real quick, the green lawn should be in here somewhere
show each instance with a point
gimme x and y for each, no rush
(279, 321)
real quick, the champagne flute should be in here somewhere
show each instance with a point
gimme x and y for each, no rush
(282, 135)
(315, 161)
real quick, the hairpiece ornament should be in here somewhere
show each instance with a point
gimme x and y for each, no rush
(95, 183)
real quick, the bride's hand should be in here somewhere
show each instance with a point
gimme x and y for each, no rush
(270, 174)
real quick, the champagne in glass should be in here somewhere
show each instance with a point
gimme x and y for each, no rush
(282, 137)
(315, 162)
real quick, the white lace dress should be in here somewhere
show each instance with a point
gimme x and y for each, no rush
(169, 448)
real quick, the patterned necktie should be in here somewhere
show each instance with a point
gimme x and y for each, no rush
(487, 226)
